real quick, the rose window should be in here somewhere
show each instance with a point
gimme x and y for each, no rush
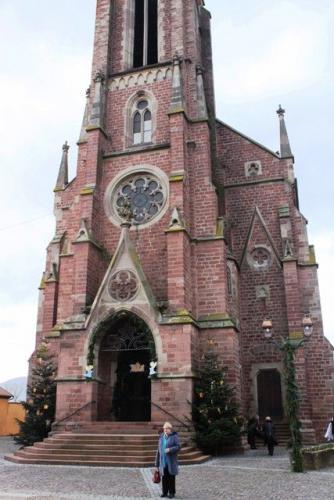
(123, 286)
(260, 258)
(143, 194)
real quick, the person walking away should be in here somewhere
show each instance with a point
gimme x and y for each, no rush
(329, 435)
(269, 436)
(166, 459)
(253, 430)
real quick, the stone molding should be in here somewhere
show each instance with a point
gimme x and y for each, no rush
(142, 77)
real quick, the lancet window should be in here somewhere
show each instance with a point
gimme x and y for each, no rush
(142, 123)
(145, 48)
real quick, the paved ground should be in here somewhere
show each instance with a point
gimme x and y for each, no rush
(253, 476)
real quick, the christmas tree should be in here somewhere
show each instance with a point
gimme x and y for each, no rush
(41, 399)
(215, 414)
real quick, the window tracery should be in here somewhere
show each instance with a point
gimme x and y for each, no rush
(143, 190)
(142, 123)
(144, 193)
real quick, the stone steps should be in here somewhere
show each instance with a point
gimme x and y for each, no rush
(126, 448)
(88, 446)
(34, 450)
(119, 457)
(282, 434)
(94, 463)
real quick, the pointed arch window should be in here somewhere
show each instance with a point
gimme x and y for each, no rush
(145, 48)
(142, 123)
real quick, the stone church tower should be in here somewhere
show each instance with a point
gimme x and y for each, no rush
(177, 233)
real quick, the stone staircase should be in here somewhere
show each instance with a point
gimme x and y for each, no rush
(104, 444)
(282, 434)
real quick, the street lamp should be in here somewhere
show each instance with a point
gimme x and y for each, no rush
(288, 347)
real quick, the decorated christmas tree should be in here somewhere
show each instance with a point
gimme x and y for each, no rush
(41, 399)
(215, 413)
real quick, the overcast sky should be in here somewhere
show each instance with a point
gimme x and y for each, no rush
(265, 54)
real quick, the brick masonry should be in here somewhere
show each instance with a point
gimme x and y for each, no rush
(200, 285)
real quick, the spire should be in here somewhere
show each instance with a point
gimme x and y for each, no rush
(85, 121)
(62, 179)
(285, 144)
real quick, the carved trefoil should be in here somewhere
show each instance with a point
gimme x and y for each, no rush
(123, 286)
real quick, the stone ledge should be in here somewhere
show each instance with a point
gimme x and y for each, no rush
(252, 183)
(137, 150)
(209, 321)
(318, 457)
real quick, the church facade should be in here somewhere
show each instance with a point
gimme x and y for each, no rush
(178, 234)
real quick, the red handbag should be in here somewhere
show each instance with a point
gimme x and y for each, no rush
(156, 477)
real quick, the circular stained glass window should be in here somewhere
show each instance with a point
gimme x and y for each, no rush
(139, 195)
(142, 194)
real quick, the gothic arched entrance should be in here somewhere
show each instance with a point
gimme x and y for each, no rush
(126, 350)
(269, 391)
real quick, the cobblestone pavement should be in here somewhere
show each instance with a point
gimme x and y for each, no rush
(253, 476)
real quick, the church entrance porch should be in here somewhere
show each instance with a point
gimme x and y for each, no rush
(126, 350)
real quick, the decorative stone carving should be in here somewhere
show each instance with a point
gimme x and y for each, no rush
(260, 258)
(262, 292)
(176, 220)
(253, 168)
(52, 274)
(123, 286)
(141, 78)
(288, 249)
(84, 233)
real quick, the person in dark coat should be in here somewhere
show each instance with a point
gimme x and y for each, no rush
(269, 436)
(253, 430)
(166, 459)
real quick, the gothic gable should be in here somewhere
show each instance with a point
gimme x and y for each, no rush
(260, 251)
(124, 286)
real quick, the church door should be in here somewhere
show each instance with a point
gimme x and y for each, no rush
(126, 351)
(131, 401)
(269, 394)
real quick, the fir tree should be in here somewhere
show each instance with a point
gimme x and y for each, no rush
(41, 399)
(215, 414)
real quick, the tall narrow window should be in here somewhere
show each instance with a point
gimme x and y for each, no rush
(145, 49)
(142, 123)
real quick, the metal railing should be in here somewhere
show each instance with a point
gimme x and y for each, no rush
(188, 427)
(57, 422)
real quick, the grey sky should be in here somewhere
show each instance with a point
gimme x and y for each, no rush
(265, 54)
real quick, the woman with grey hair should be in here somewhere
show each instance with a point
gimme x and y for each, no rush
(166, 459)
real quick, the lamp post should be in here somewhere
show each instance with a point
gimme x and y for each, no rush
(288, 347)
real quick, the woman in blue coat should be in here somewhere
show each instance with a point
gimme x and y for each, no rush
(166, 459)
